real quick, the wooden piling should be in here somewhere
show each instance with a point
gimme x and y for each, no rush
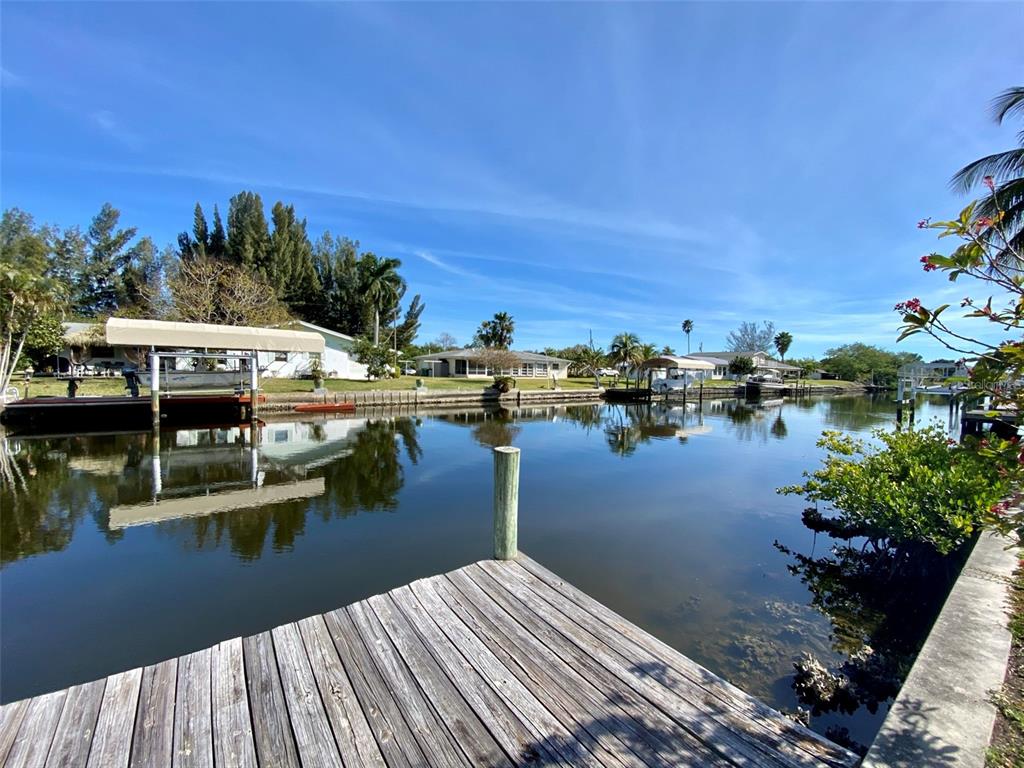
(506, 502)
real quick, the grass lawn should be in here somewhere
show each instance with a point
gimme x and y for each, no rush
(409, 382)
(44, 386)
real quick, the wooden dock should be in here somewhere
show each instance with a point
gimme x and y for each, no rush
(499, 663)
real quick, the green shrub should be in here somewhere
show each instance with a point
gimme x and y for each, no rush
(916, 487)
(504, 383)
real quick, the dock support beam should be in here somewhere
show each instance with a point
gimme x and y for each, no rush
(154, 387)
(254, 386)
(506, 503)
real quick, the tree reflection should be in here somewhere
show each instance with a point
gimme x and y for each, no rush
(881, 610)
(368, 479)
(47, 487)
(752, 420)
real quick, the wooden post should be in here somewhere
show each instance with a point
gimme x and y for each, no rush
(154, 387)
(700, 394)
(506, 503)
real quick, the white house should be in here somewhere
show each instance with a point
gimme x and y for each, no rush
(466, 363)
(762, 363)
(338, 361)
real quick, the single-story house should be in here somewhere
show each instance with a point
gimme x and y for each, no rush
(338, 360)
(86, 350)
(762, 364)
(467, 363)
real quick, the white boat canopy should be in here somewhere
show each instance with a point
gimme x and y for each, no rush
(126, 332)
(682, 363)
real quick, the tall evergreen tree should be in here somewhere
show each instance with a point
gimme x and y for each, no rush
(291, 261)
(410, 325)
(196, 245)
(102, 287)
(248, 239)
(218, 246)
(68, 264)
(336, 264)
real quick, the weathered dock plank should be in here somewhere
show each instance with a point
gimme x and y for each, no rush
(73, 739)
(233, 740)
(37, 730)
(193, 718)
(271, 728)
(500, 663)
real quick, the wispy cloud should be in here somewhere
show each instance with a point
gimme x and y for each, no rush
(10, 80)
(442, 265)
(109, 124)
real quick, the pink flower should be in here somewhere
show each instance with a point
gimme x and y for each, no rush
(927, 262)
(923, 223)
(989, 182)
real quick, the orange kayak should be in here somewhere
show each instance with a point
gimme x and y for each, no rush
(325, 408)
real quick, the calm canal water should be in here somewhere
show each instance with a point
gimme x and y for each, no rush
(666, 515)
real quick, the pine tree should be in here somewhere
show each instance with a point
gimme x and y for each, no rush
(291, 261)
(196, 245)
(218, 247)
(102, 287)
(248, 239)
(410, 326)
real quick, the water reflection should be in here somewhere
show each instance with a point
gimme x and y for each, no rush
(144, 549)
(195, 481)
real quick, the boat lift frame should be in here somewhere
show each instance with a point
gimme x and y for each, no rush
(154, 375)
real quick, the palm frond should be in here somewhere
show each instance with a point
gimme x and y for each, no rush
(1008, 103)
(1000, 166)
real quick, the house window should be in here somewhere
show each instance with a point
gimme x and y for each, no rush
(280, 357)
(460, 367)
(542, 369)
(101, 351)
(554, 366)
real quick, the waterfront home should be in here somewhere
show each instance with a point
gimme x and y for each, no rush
(337, 362)
(762, 364)
(467, 363)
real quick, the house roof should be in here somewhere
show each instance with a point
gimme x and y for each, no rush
(724, 358)
(775, 365)
(472, 353)
(317, 329)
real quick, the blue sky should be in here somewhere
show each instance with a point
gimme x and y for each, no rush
(584, 167)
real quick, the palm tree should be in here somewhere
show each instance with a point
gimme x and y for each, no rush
(592, 359)
(625, 349)
(381, 285)
(687, 329)
(1002, 172)
(646, 352)
(782, 341)
(496, 333)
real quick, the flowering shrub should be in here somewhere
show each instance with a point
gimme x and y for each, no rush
(913, 488)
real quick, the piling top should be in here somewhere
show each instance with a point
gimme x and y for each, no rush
(506, 449)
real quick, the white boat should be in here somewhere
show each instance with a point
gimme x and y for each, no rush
(172, 380)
